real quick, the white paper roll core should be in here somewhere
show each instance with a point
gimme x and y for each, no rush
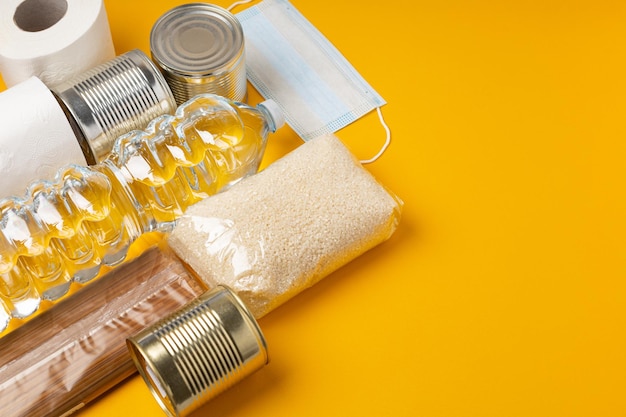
(52, 39)
(36, 138)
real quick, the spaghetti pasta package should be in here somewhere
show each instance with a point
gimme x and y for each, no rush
(280, 231)
(71, 353)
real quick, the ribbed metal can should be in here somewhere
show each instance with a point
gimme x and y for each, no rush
(112, 99)
(191, 356)
(199, 48)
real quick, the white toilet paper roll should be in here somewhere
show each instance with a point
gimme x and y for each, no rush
(36, 138)
(52, 39)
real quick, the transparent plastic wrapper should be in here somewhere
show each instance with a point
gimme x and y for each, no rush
(68, 355)
(280, 231)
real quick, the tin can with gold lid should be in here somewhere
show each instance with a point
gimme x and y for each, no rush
(198, 352)
(199, 48)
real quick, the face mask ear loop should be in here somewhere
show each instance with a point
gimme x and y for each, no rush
(387, 140)
(238, 3)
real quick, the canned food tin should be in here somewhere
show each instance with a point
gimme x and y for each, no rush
(198, 352)
(112, 99)
(199, 48)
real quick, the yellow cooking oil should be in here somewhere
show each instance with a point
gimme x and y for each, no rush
(64, 230)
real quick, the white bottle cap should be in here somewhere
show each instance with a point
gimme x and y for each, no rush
(275, 112)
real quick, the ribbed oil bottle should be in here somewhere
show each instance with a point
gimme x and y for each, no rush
(64, 230)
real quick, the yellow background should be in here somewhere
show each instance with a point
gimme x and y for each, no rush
(502, 292)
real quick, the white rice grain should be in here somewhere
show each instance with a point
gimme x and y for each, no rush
(280, 231)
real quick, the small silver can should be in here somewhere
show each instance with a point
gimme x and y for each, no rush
(199, 48)
(112, 99)
(198, 352)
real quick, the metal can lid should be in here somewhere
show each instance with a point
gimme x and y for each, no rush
(196, 39)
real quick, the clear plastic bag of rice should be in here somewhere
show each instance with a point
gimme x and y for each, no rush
(283, 229)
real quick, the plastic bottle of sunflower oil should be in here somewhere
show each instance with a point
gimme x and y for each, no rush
(64, 230)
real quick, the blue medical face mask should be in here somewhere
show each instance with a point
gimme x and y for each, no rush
(291, 62)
